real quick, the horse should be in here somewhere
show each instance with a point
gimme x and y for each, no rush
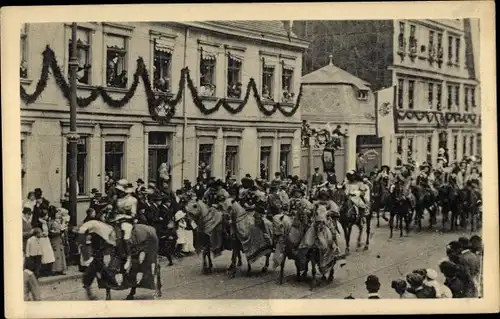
(425, 200)
(213, 232)
(400, 208)
(317, 248)
(350, 217)
(288, 233)
(247, 236)
(449, 200)
(380, 198)
(96, 238)
(471, 207)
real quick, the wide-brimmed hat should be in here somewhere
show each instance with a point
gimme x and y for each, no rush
(385, 167)
(424, 165)
(139, 181)
(179, 215)
(431, 274)
(94, 191)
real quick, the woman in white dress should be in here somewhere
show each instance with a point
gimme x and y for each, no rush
(48, 256)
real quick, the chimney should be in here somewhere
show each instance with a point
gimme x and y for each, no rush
(331, 59)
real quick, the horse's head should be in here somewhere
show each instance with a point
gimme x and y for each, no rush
(320, 218)
(193, 209)
(281, 225)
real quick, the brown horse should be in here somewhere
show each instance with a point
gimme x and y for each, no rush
(350, 217)
(380, 198)
(400, 209)
(96, 239)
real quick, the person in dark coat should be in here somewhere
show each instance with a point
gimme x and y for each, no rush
(372, 284)
(317, 177)
(469, 263)
(417, 287)
(453, 280)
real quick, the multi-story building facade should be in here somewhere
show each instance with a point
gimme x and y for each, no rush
(203, 117)
(432, 63)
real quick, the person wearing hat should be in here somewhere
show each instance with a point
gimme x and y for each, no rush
(353, 190)
(317, 177)
(372, 284)
(141, 187)
(184, 233)
(274, 203)
(416, 282)
(400, 286)
(442, 291)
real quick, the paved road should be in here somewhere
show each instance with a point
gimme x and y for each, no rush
(387, 258)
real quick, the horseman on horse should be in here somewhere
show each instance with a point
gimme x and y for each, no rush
(356, 191)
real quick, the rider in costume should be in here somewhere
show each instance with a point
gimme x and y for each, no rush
(353, 191)
(125, 213)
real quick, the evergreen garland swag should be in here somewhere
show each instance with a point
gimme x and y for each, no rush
(436, 115)
(222, 102)
(154, 103)
(50, 62)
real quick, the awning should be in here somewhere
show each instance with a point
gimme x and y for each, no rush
(235, 56)
(269, 65)
(115, 42)
(164, 46)
(207, 55)
(288, 67)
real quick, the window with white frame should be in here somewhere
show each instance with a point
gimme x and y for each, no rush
(205, 155)
(399, 151)
(113, 159)
(208, 62)
(234, 70)
(478, 144)
(285, 153)
(162, 71)
(231, 159)
(430, 95)
(411, 94)
(158, 153)
(471, 145)
(401, 35)
(464, 146)
(287, 83)
(457, 50)
(24, 51)
(466, 99)
(409, 149)
(116, 61)
(473, 97)
(439, 95)
(455, 147)
(82, 164)
(265, 162)
(457, 96)
(267, 82)
(83, 48)
(400, 93)
(450, 49)
(449, 90)
(440, 47)
(362, 95)
(428, 155)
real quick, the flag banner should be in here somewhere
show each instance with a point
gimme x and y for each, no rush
(385, 112)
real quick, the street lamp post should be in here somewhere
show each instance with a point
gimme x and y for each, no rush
(73, 136)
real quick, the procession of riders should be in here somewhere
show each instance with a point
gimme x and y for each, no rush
(338, 205)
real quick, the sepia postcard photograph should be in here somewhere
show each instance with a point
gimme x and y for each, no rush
(250, 159)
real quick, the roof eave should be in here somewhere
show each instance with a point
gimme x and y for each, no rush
(276, 39)
(365, 86)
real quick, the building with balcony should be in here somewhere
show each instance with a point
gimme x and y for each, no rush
(433, 64)
(233, 108)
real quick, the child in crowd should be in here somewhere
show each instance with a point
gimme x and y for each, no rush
(34, 251)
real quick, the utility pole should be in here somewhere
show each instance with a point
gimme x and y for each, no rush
(73, 136)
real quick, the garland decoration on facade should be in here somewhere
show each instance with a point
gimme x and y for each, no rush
(443, 118)
(161, 107)
(50, 63)
(222, 102)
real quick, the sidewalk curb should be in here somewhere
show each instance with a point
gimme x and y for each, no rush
(47, 281)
